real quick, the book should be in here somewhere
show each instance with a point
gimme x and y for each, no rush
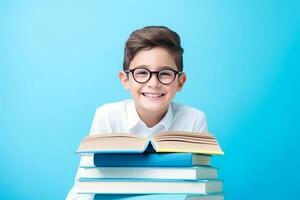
(130, 186)
(176, 173)
(144, 160)
(158, 197)
(169, 141)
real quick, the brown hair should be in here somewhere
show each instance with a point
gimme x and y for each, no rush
(150, 37)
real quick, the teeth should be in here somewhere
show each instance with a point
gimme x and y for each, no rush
(152, 95)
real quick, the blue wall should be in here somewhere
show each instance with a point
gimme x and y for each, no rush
(59, 61)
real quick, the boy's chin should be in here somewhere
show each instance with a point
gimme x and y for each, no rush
(154, 106)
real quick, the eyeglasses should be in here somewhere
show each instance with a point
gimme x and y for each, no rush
(143, 75)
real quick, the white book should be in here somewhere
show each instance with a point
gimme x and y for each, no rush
(121, 186)
(179, 173)
(158, 197)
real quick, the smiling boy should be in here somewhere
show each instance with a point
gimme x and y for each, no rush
(153, 73)
(153, 80)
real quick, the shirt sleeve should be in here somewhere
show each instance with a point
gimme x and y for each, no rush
(100, 122)
(200, 123)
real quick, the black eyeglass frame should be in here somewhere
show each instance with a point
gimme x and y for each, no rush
(154, 72)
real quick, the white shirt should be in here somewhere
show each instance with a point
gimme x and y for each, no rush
(122, 117)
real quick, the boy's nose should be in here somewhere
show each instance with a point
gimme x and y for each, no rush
(153, 81)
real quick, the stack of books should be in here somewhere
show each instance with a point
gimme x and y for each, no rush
(169, 165)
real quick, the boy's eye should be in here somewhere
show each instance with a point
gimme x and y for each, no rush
(166, 73)
(141, 73)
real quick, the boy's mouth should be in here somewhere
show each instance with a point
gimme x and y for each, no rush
(152, 95)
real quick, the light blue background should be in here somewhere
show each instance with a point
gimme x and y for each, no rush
(59, 61)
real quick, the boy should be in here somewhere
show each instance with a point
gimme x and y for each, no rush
(153, 73)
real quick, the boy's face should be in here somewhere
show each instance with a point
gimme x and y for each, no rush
(152, 96)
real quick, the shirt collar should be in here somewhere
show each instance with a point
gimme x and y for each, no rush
(167, 119)
(134, 119)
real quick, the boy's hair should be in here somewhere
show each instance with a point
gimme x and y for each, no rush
(150, 37)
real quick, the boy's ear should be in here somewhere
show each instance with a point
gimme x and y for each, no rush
(124, 79)
(181, 81)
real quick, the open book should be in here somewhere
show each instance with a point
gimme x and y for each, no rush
(169, 141)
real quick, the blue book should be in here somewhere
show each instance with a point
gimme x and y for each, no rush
(149, 160)
(158, 197)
